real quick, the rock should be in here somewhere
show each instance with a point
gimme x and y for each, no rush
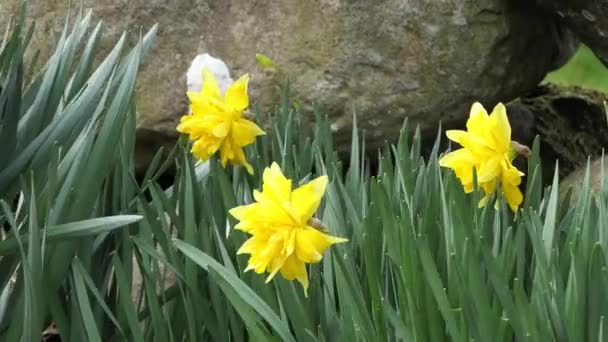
(574, 181)
(588, 19)
(570, 121)
(167, 280)
(426, 60)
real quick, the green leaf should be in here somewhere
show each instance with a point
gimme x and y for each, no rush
(84, 304)
(75, 230)
(549, 226)
(264, 61)
(124, 288)
(244, 291)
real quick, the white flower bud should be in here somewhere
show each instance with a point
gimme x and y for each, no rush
(215, 65)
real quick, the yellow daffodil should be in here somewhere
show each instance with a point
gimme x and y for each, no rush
(216, 122)
(486, 148)
(280, 222)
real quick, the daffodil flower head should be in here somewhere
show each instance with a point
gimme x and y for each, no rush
(216, 123)
(487, 149)
(283, 237)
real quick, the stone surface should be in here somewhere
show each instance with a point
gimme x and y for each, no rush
(573, 183)
(426, 60)
(588, 19)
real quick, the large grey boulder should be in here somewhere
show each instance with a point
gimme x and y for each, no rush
(385, 60)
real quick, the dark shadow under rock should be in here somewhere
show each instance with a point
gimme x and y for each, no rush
(148, 143)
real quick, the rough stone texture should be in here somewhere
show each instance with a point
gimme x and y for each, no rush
(427, 60)
(574, 182)
(588, 19)
(570, 121)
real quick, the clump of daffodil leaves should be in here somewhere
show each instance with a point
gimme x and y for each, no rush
(284, 235)
(488, 151)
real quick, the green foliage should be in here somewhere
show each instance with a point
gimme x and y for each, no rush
(66, 181)
(423, 263)
(584, 69)
(108, 259)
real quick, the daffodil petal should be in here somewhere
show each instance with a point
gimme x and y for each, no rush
(465, 174)
(239, 212)
(456, 159)
(501, 130)
(276, 264)
(275, 184)
(241, 160)
(244, 132)
(478, 146)
(511, 179)
(462, 161)
(455, 135)
(247, 215)
(478, 118)
(247, 248)
(307, 197)
(512, 195)
(236, 95)
(221, 130)
(226, 152)
(211, 89)
(489, 170)
(311, 243)
(188, 124)
(201, 105)
(293, 268)
(204, 147)
(489, 187)
(511, 174)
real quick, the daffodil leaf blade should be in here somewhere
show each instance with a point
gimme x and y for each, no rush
(88, 319)
(244, 291)
(549, 226)
(75, 230)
